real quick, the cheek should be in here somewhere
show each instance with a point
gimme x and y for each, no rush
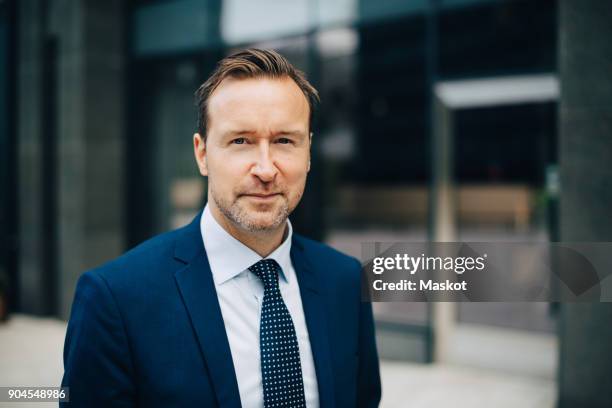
(295, 174)
(295, 163)
(225, 171)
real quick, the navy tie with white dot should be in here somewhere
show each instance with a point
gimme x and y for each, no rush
(281, 370)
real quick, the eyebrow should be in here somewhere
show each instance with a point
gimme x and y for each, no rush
(231, 133)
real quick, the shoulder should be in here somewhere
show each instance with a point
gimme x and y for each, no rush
(337, 277)
(323, 256)
(141, 264)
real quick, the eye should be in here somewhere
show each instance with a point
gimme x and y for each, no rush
(284, 140)
(240, 140)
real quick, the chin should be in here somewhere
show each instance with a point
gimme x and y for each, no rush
(255, 218)
(261, 224)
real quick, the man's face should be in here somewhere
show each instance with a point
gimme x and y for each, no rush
(257, 151)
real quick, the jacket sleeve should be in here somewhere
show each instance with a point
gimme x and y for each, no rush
(368, 374)
(97, 362)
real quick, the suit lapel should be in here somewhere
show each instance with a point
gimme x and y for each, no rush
(197, 289)
(316, 321)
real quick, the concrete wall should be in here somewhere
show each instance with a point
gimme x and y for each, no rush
(29, 150)
(87, 194)
(585, 115)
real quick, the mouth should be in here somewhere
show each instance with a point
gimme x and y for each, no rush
(261, 197)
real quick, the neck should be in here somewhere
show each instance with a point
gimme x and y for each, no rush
(262, 242)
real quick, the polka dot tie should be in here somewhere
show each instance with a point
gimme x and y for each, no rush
(281, 370)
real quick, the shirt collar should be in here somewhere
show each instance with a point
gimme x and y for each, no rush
(229, 257)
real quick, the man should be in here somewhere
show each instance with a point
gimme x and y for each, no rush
(234, 309)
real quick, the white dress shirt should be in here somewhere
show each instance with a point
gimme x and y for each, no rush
(240, 295)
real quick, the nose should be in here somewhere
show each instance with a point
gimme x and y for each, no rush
(264, 167)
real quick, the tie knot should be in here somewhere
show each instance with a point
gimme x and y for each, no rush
(267, 270)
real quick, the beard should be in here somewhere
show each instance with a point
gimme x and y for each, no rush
(252, 220)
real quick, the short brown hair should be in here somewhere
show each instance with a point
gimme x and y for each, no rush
(251, 63)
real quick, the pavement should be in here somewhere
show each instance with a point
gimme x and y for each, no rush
(31, 355)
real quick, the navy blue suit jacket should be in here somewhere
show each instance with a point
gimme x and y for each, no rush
(146, 329)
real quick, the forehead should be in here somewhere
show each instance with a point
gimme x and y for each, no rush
(258, 102)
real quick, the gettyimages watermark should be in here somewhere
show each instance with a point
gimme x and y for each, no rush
(487, 272)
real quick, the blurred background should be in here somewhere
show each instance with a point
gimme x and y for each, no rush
(441, 120)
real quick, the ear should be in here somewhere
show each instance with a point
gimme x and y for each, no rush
(199, 150)
(309, 146)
